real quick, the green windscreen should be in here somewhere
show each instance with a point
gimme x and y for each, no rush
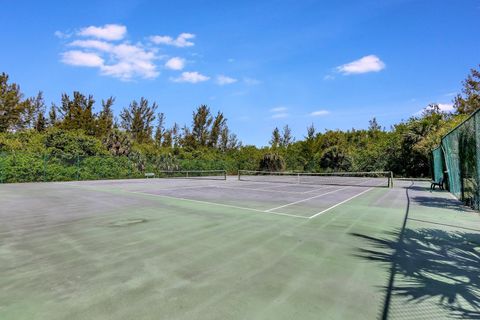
(438, 165)
(460, 153)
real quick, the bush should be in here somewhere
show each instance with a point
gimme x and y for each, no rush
(272, 162)
(73, 142)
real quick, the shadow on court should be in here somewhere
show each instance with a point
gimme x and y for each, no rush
(439, 202)
(432, 264)
(430, 269)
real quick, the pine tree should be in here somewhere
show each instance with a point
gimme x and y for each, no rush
(11, 104)
(160, 130)
(373, 125)
(202, 119)
(310, 132)
(286, 139)
(275, 140)
(224, 139)
(233, 142)
(77, 113)
(52, 115)
(469, 101)
(40, 123)
(219, 123)
(176, 136)
(105, 121)
(138, 119)
(167, 139)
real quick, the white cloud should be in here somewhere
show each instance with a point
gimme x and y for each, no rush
(123, 61)
(328, 77)
(446, 107)
(280, 115)
(62, 35)
(278, 109)
(92, 44)
(105, 47)
(107, 32)
(82, 59)
(192, 77)
(279, 112)
(319, 113)
(223, 80)
(175, 63)
(251, 81)
(366, 64)
(181, 41)
(130, 61)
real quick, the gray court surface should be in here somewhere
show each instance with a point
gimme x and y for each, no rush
(215, 249)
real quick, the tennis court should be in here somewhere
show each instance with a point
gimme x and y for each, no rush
(258, 247)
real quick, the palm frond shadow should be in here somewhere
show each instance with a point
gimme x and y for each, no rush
(440, 202)
(432, 264)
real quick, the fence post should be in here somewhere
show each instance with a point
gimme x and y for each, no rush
(477, 160)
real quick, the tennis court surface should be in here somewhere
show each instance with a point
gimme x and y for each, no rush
(255, 248)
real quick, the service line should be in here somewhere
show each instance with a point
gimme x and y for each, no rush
(336, 205)
(308, 199)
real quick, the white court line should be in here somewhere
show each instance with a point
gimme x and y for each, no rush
(276, 185)
(179, 188)
(255, 189)
(191, 200)
(220, 204)
(303, 200)
(317, 189)
(336, 205)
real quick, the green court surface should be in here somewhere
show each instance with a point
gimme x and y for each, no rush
(201, 249)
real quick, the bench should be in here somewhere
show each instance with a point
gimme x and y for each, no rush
(438, 183)
(149, 175)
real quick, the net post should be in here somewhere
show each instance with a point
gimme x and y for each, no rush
(391, 179)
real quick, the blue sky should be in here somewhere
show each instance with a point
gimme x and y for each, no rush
(263, 63)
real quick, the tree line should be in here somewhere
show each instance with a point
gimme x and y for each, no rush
(139, 132)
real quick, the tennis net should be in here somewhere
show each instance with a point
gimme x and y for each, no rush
(193, 174)
(364, 179)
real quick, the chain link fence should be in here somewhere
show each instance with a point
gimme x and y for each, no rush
(30, 167)
(457, 160)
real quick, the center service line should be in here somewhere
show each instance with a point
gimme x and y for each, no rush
(336, 205)
(303, 200)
